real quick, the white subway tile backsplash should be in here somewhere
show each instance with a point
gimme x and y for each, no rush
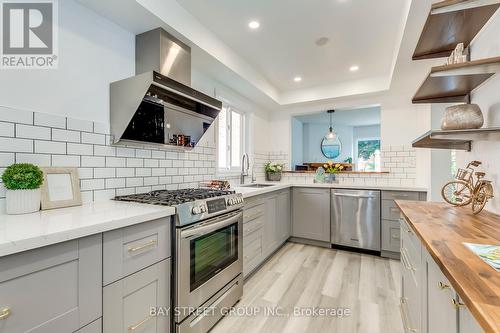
(104, 172)
(65, 135)
(65, 161)
(158, 172)
(86, 173)
(93, 161)
(150, 181)
(134, 182)
(115, 182)
(32, 132)
(49, 120)
(135, 163)
(16, 145)
(104, 151)
(16, 116)
(41, 160)
(149, 163)
(170, 163)
(93, 138)
(142, 153)
(143, 172)
(102, 195)
(7, 129)
(165, 180)
(158, 154)
(143, 189)
(115, 162)
(125, 191)
(50, 147)
(87, 196)
(125, 152)
(7, 159)
(91, 184)
(80, 149)
(125, 172)
(80, 125)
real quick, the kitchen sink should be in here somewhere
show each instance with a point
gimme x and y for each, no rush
(257, 185)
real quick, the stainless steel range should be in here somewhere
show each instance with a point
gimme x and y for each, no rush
(208, 247)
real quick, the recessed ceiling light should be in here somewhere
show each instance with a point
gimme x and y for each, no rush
(354, 68)
(297, 79)
(254, 24)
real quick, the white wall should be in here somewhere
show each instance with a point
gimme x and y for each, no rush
(297, 143)
(487, 97)
(92, 53)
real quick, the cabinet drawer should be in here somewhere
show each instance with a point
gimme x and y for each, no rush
(408, 236)
(57, 288)
(252, 226)
(390, 211)
(251, 213)
(128, 250)
(400, 195)
(127, 303)
(252, 249)
(391, 236)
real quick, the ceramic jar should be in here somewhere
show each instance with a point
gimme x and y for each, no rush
(22, 201)
(463, 116)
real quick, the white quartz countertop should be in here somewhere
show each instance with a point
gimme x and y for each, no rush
(251, 191)
(29, 231)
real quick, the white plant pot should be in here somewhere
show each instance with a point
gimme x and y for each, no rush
(22, 201)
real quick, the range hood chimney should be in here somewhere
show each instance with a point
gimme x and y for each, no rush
(158, 105)
(158, 51)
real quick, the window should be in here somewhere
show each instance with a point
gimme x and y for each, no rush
(368, 154)
(231, 137)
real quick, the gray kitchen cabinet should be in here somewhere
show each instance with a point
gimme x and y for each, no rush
(441, 315)
(130, 249)
(283, 215)
(56, 288)
(127, 302)
(266, 226)
(466, 322)
(390, 219)
(311, 214)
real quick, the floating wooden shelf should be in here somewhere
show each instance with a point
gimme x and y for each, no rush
(456, 139)
(452, 22)
(453, 83)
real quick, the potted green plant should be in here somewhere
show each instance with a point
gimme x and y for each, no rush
(22, 182)
(273, 171)
(330, 170)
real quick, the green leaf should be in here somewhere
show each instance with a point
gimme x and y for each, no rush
(22, 176)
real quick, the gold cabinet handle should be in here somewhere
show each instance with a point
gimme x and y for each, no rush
(139, 324)
(5, 313)
(456, 303)
(143, 246)
(404, 315)
(443, 285)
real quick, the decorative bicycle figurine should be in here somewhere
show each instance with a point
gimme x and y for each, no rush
(465, 189)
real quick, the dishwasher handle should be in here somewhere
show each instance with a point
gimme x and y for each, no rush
(354, 196)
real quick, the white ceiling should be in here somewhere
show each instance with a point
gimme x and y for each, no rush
(355, 117)
(365, 33)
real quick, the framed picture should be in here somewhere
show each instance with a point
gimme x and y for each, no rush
(61, 188)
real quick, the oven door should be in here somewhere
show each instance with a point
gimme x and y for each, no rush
(209, 256)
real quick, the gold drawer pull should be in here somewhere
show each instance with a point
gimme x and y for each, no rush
(443, 286)
(404, 315)
(143, 246)
(139, 324)
(5, 313)
(457, 304)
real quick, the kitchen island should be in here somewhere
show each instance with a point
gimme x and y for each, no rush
(442, 231)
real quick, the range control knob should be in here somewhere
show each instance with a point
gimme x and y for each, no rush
(230, 201)
(203, 209)
(196, 210)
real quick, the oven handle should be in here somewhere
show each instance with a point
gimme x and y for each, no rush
(211, 225)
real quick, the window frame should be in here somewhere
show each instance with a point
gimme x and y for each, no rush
(356, 149)
(229, 169)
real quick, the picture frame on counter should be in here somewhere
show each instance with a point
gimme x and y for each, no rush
(61, 188)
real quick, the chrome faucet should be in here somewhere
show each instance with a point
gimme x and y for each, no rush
(244, 171)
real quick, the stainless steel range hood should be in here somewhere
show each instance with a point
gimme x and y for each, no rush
(158, 106)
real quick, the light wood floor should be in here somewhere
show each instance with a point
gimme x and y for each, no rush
(305, 276)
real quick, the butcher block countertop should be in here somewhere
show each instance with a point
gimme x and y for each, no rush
(443, 229)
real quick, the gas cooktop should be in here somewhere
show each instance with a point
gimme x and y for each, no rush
(191, 205)
(174, 197)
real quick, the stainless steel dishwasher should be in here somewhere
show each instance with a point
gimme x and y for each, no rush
(355, 218)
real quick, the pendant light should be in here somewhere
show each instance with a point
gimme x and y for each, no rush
(331, 135)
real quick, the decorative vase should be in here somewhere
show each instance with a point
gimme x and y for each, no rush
(463, 116)
(273, 176)
(329, 177)
(22, 201)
